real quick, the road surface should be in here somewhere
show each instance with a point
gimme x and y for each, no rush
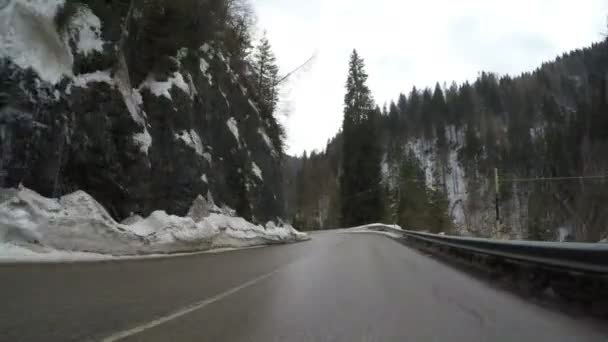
(336, 287)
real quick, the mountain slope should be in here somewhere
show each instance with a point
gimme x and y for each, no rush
(442, 145)
(143, 105)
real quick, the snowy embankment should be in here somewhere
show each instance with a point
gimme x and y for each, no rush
(390, 230)
(78, 227)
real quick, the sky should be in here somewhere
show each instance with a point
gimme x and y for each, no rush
(409, 43)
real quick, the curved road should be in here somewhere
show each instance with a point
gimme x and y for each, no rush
(336, 287)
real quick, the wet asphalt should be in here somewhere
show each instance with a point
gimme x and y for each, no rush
(336, 287)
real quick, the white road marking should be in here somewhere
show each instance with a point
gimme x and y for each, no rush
(184, 311)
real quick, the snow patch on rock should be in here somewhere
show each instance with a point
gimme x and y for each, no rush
(256, 171)
(206, 48)
(225, 97)
(85, 30)
(267, 140)
(234, 129)
(143, 140)
(100, 76)
(162, 88)
(253, 105)
(205, 70)
(192, 139)
(208, 157)
(28, 37)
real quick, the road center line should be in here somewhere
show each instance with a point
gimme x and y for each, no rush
(184, 311)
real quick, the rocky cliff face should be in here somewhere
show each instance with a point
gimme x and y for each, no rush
(117, 100)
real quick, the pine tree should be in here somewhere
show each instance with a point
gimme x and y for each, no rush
(402, 107)
(413, 111)
(393, 120)
(427, 110)
(361, 193)
(266, 75)
(413, 199)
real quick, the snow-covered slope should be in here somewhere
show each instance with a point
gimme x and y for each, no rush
(31, 224)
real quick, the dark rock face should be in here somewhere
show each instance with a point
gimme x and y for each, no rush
(137, 138)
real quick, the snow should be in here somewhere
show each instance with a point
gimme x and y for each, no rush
(75, 222)
(28, 37)
(77, 227)
(204, 69)
(267, 141)
(143, 140)
(85, 29)
(132, 97)
(256, 171)
(224, 96)
(384, 168)
(208, 157)
(137, 98)
(206, 48)
(243, 89)
(393, 231)
(253, 105)
(191, 86)
(162, 88)
(182, 53)
(538, 131)
(231, 123)
(192, 139)
(565, 233)
(83, 80)
(10, 252)
(133, 101)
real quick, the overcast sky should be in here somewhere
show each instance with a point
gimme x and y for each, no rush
(406, 43)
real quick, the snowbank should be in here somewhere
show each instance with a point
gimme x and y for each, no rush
(393, 231)
(76, 225)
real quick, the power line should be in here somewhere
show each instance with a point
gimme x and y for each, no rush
(296, 69)
(539, 179)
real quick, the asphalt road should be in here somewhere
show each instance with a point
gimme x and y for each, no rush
(336, 287)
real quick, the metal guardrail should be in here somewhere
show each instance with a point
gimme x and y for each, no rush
(569, 256)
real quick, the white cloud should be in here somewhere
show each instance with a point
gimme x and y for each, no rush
(410, 42)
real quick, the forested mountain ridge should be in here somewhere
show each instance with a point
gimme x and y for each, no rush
(143, 104)
(440, 148)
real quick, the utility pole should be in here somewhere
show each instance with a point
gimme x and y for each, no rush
(396, 204)
(497, 198)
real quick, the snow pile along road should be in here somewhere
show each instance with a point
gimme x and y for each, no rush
(31, 224)
(390, 230)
